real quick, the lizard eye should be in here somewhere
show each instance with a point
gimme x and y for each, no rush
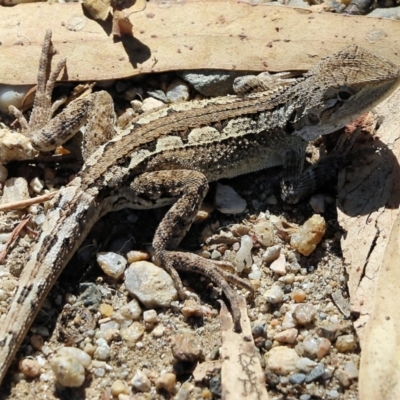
(344, 95)
(313, 119)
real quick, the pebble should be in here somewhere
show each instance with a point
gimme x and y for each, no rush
(279, 265)
(328, 330)
(287, 336)
(274, 295)
(68, 371)
(136, 255)
(332, 394)
(297, 379)
(36, 184)
(166, 382)
(227, 200)
(150, 316)
(105, 309)
(315, 373)
(281, 360)
(102, 351)
(298, 295)
(255, 273)
(211, 83)
(192, 309)
(152, 285)
(131, 310)
(15, 189)
(304, 314)
(288, 320)
(316, 347)
(158, 331)
(141, 382)
(264, 232)
(112, 264)
(119, 387)
(37, 341)
(15, 146)
(178, 91)
(186, 347)
(317, 202)
(29, 367)
(351, 369)
(151, 103)
(345, 343)
(77, 354)
(133, 333)
(305, 364)
(343, 378)
(271, 254)
(306, 239)
(243, 256)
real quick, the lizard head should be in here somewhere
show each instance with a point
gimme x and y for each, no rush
(339, 89)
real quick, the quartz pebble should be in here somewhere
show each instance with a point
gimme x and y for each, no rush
(151, 103)
(192, 309)
(178, 91)
(166, 382)
(279, 265)
(112, 264)
(186, 347)
(243, 256)
(345, 343)
(227, 201)
(36, 185)
(15, 146)
(77, 354)
(15, 189)
(152, 285)
(274, 295)
(119, 387)
(141, 382)
(304, 314)
(306, 239)
(133, 333)
(29, 367)
(131, 310)
(136, 255)
(264, 232)
(315, 373)
(297, 379)
(316, 347)
(102, 351)
(299, 295)
(281, 360)
(68, 371)
(287, 336)
(150, 316)
(305, 364)
(271, 254)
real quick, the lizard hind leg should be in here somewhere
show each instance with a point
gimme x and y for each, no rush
(186, 189)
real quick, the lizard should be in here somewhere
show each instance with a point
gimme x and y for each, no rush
(170, 155)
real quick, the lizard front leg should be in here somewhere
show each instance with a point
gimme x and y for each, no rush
(187, 189)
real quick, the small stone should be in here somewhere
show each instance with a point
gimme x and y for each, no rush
(186, 347)
(317, 202)
(271, 254)
(178, 91)
(77, 354)
(37, 341)
(192, 309)
(288, 320)
(274, 295)
(15, 189)
(343, 378)
(351, 369)
(305, 364)
(304, 314)
(141, 382)
(332, 394)
(133, 333)
(136, 255)
(119, 387)
(152, 285)
(287, 336)
(151, 103)
(37, 185)
(131, 310)
(329, 330)
(297, 379)
(345, 343)
(29, 367)
(243, 256)
(15, 146)
(103, 350)
(158, 331)
(315, 373)
(255, 273)
(68, 371)
(105, 309)
(112, 264)
(166, 382)
(264, 232)
(316, 347)
(227, 201)
(306, 239)
(299, 295)
(150, 316)
(281, 360)
(279, 265)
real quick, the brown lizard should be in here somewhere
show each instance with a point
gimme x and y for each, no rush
(168, 157)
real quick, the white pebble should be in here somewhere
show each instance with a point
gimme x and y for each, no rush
(227, 201)
(131, 310)
(272, 253)
(281, 360)
(37, 185)
(141, 382)
(274, 295)
(279, 265)
(133, 333)
(243, 256)
(68, 371)
(103, 350)
(77, 354)
(112, 264)
(150, 316)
